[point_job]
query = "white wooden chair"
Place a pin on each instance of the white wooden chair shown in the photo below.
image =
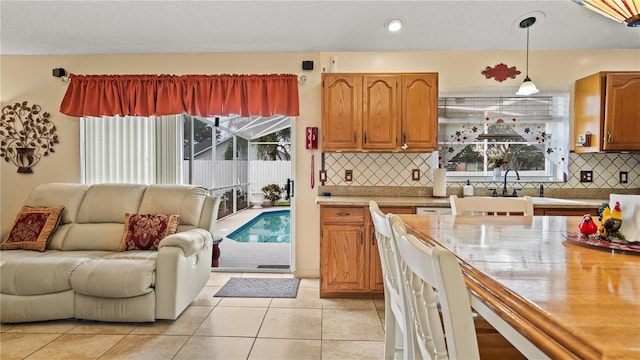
(397, 338)
(423, 268)
(491, 205)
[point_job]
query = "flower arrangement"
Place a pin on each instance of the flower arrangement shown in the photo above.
(498, 161)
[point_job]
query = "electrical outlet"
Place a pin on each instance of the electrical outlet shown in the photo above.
(415, 174)
(624, 177)
(586, 176)
(323, 176)
(348, 175)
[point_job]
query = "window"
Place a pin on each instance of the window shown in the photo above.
(529, 134)
(131, 149)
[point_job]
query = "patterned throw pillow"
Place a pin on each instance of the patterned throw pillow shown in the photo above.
(33, 228)
(144, 231)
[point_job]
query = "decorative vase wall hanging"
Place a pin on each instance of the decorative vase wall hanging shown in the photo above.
(26, 135)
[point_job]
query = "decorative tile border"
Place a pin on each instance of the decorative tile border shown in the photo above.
(395, 169)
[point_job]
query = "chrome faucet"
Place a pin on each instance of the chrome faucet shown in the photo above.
(504, 188)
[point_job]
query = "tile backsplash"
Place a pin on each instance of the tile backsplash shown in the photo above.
(395, 169)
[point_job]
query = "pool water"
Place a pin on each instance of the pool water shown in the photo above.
(268, 227)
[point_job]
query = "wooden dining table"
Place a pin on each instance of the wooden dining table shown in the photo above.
(549, 295)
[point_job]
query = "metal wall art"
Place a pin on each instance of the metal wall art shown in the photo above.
(26, 135)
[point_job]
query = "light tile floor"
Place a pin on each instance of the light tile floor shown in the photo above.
(306, 327)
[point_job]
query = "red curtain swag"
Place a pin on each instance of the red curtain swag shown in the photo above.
(199, 95)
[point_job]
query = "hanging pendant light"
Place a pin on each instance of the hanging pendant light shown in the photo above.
(527, 87)
(622, 11)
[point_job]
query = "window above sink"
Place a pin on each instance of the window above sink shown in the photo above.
(530, 133)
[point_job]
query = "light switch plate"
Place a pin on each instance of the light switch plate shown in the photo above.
(624, 177)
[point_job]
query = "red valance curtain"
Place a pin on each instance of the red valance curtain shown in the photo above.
(199, 95)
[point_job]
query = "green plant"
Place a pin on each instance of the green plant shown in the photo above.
(272, 192)
(498, 161)
(275, 146)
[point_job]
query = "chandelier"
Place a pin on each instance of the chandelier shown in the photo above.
(623, 11)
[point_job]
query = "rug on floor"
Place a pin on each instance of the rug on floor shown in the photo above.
(260, 288)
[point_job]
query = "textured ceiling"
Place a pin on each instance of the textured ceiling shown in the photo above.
(114, 27)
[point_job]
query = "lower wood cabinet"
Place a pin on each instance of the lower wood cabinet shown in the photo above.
(349, 257)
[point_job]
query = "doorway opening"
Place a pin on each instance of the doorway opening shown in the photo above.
(248, 162)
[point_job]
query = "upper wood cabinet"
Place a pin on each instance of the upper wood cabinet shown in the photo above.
(341, 112)
(607, 105)
(379, 112)
(419, 112)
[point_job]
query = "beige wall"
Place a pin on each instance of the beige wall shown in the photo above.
(28, 78)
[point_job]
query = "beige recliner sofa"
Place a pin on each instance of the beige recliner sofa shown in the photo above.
(82, 275)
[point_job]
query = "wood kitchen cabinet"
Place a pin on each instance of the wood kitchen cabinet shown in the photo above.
(419, 109)
(379, 112)
(376, 281)
(349, 257)
(607, 106)
(341, 112)
(343, 251)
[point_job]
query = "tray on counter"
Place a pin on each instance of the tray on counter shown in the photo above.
(598, 243)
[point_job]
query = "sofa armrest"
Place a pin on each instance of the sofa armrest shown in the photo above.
(191, 241)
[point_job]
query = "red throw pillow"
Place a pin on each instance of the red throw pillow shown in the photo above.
(33, 228)
(144, 231)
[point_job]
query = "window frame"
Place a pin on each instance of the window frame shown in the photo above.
(553, 121)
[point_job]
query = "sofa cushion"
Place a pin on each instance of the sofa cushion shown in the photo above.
(114, 278)
(133, 309)
(55, 194)
(32, 228)
(186, 201)
(18, 309)
(37, 275)
(98, 236)
(107, 203)
(144, 231)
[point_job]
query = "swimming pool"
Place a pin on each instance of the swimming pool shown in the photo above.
(268, 227)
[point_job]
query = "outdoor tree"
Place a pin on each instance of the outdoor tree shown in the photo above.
(276, 146)
(241, 143)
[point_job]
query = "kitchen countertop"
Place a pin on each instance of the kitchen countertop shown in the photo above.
(545, 202)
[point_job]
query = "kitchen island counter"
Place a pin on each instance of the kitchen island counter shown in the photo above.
(428, 201)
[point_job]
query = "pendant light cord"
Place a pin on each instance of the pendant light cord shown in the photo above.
(527, 51)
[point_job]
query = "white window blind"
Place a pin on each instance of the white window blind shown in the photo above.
(131, 149)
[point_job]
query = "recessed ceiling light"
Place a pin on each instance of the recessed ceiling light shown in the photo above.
(393, 25)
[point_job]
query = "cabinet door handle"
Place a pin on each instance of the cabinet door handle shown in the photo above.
(404, 137)
(365, 137)
(355, 137)
(361, 238)
(609, 137)
(343, 214)
(373, 239)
